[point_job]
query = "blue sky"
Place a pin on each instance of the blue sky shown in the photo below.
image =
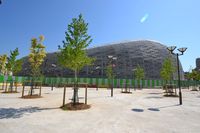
(171, 22)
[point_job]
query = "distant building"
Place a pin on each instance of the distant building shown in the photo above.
(198, 64)
(148, 54)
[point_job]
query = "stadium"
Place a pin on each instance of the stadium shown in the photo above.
(148, 54)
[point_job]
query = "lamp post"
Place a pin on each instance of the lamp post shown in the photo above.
(53, 66)
(111, 59)
(97, 68)
(181, 50)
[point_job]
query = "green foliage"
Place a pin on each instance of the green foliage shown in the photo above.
(139, 73)
(3, 60)
(37, 55)
(109, 72)
(11, 60)
(18, 67)
(167, 69)
(194, 75)
(73, 55)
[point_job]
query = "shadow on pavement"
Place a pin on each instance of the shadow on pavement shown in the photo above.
(138, 110)
(157, 109)
(153, 109)
(168, 106)
(151, 97)
(8, 113)
(156, 93)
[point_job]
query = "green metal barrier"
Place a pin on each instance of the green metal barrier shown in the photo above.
(117, 83)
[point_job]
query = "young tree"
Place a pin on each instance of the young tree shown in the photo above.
(139, 73)
(109, 72)
(11, 61)
(195, 75)
(167, 70)
(3, 61)
(18, 67)
(12, 64)
(73, 55)
(36, 57)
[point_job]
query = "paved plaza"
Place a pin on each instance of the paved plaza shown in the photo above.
(143, 111)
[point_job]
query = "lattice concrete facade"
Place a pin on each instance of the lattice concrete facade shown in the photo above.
(148, 54)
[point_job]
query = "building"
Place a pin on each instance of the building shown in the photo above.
(148, 54)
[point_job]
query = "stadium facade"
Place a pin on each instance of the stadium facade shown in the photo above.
(148, 54)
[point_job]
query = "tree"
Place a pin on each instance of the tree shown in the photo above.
(167, 70)
(36, 58)
(139, 73)
(73, 55)
(3, 61)
(109, 72)
(37, 55)
(11, 65)
(11, 61)
(195, 75)
(18, 67)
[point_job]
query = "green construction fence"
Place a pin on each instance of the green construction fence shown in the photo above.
(101, 82)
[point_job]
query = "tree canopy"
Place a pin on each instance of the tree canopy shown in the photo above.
(194, 75)
(12, 61)
(3, 61)
(109, 71)
(167, 69)
(139, 72)
(73, 55)
(37, 55)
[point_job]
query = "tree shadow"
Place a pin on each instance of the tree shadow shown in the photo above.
(138, 110)
(152, 97)
(156, 93)
(168, 106)
(153, 109)
(8, 113)
(156, 109)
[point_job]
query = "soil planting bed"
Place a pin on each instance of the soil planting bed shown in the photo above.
(77, 106)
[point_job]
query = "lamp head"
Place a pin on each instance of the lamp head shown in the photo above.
(110, 56)
(114, 58)
(97, 67)
(171, 48)
(182, 50)
(53, 65)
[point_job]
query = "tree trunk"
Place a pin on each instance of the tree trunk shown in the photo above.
(75, 94)
(32, 85)
(3, 85)
(11, 86)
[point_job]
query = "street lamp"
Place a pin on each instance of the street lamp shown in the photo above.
(53, 66)
(97, 68)
(111, 60)
(182, 50)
